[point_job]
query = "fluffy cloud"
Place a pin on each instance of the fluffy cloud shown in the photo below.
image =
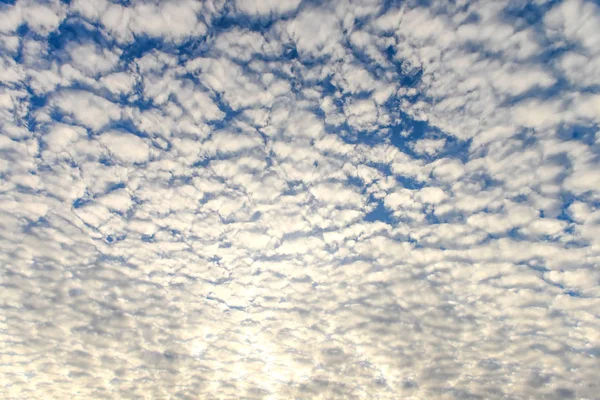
(266, 8)
(286, 199)
(173, 20)
(125, 147)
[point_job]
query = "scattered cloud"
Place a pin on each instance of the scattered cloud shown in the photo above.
(286, 199)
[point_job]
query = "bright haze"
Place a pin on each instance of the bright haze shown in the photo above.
(264, 199)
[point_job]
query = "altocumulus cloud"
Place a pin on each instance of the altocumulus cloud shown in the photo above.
(297, 199)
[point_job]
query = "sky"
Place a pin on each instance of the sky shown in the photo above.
(299, 199)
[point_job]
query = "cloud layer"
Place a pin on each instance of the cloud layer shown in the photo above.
(275, 200)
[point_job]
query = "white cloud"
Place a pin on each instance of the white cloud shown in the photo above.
(118, 83)
(337, 194)
(227, 142)
(87, 109)
(174, 19)
(243, 44)
(431, 195)
(203, 199)
(118, 200)
(126, 147)
(61, 136)
(266, 7)
(576, 20)
(227, 78)
(362, 114)
(42, 18)
(92, 60)
(429, 146)
(448, 170)
(315, 33)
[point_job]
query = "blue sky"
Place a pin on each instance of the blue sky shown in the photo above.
(299, 199)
